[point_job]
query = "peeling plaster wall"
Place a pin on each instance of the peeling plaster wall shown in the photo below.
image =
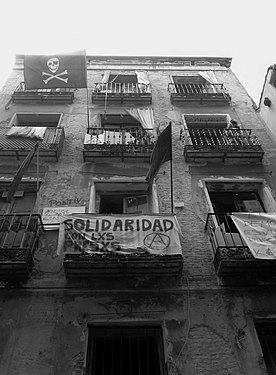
(208, 329)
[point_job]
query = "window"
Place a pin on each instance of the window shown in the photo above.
(25, 129)
(266, 331)
(125, 350)
(49, 120)
(23, 200)
(122, 129)
(123, 203)
(18, 225)
(206, 129)
(225, 197)
(272, 80)
(192, 84)
(125, 197)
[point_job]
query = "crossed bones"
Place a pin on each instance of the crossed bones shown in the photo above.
(52, 76)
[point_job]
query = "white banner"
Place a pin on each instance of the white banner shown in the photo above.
(259, 232)
(121, 234)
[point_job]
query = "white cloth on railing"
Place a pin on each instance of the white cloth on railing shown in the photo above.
(146, 119)
(109, 137)
(36, 132)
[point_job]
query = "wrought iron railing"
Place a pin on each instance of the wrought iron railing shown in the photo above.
(19, 231)
(204, 137)
(122, 88)
(127, 136)
(225, 238)
(21, 89)
(197, 89)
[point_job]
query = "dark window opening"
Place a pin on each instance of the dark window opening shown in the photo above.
(123, 78)
(111, 204)
(123, 203)
(267, 336)
(227, 202)
(50, 120)
(118, 122)
(272, 80)
(125, 351)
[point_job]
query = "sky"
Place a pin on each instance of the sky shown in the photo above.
(241, 29)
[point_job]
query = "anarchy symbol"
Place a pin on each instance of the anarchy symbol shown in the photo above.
(52, 76)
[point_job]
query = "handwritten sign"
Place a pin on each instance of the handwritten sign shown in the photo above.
(258, 231)
(52, 216)
(120, 234)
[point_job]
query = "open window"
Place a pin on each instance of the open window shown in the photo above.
(198, 87)
(123, 87)
(132, 133)
(217, 137)
(266, 331)
(226, 197)
(206, 129)
(125, 350)
(26, 129)
(124, 197)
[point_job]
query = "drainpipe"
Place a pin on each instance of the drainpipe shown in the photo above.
(271, 67)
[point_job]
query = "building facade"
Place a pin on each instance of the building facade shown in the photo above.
(190, 301)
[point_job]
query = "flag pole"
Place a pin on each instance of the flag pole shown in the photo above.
(171, 167)
(37, 179)
(87, 111)
(87, 96)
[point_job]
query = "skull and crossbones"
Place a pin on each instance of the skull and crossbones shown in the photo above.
(53, 66)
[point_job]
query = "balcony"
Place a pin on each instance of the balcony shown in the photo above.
(198, 93)
(19, 234)
(49, 148)
(122, 93)
(233, 261)
(47, 96)
(221, 145)
(128, 253)
(126, 144)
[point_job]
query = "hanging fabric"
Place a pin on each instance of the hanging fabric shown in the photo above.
(142, 77)
(143, 82)
(105, 77)
(146, 119)
(209, 75)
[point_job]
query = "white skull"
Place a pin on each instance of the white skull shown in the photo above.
(53, 64)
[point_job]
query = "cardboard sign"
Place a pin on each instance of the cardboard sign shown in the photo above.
(53, 216)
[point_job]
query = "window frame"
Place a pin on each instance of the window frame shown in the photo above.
(160, 338)
(112, 185)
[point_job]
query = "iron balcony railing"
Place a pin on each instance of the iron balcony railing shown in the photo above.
(19, 231)
(21, 89)
(225, 238)
(52, 143)
(197, 89)
(204, 137)
(122, 88)
(127, 136)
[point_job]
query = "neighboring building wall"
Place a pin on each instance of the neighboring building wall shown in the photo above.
(267, 105)
(208, 328)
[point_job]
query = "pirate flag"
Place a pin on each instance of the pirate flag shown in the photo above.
(55, 71)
